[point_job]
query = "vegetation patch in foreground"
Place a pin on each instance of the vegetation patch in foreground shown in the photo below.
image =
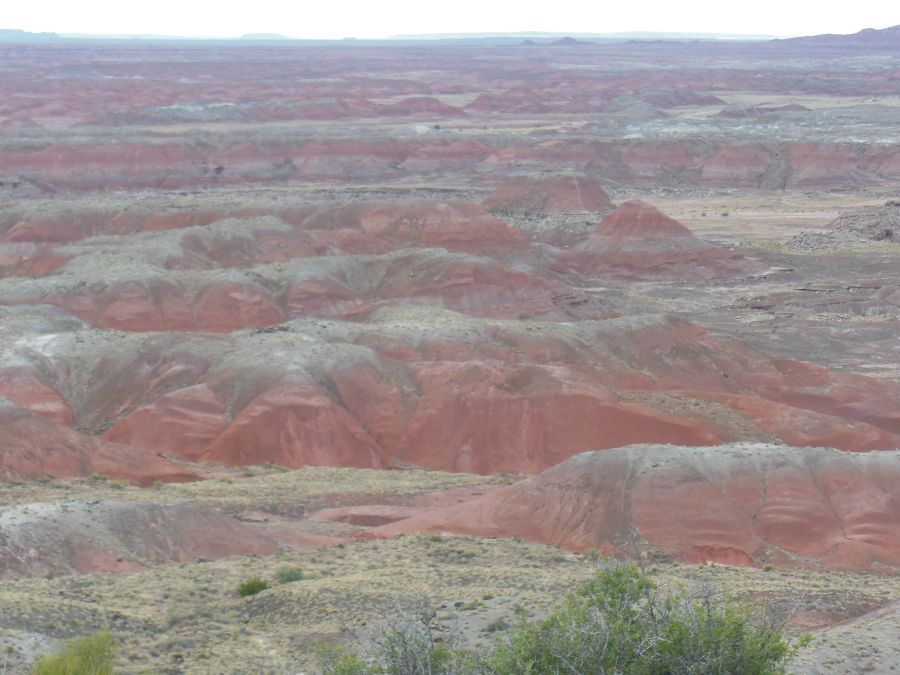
(89, 655)
(252, 586)
(619, 622)
(288, 574)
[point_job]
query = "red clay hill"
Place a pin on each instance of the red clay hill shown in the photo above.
(638, 241)
(91, 537)
(34, 446)
(741, 504)
(418, 386)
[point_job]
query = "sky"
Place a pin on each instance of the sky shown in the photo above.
(382, 18)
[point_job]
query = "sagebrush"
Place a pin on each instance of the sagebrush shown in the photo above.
(619, 622)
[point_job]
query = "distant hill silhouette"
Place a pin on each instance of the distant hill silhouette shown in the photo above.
(16, 35)
(567, 42)
(887, 38)
(264, 36)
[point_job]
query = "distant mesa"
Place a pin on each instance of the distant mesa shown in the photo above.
(885, 38)
(567, 42)
(740, 504)
(264, 36)
(421, 106)
(16, 35)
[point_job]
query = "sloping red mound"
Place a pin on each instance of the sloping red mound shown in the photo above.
(739, 504)
(464, 417)
(639, 241)
(355, 228)
(638, 220)
(110, 537)
(740, 166)
(484, 419)
(562, 194)
(23, 388)
(457, 225)
(330, 286)
(32, 446)
(72, 226)
(421, 106)
(436, 389)
(827, 167)
(29, 260)
(157, 304)
(293, 425)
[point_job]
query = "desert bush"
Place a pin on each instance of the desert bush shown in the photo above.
(89, 655)
(497, 625)
(288, 574)
(619, 622)
(252, 586)
(410, 643)
(337, 660)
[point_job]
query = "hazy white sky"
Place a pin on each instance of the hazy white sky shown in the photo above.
(380, 18)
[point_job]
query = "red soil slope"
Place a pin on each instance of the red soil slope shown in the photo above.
(743, 504)
(443, 391)
(110, 537)
(637, 241)
(32, 446)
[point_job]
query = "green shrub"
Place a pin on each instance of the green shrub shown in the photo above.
(497, 625)
(593, 554)
(411, 643)
(337, 660)
(88, 655)
(252, 586)
(288, 574)
(619, 622)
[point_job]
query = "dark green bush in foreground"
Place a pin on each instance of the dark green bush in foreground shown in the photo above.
(252, 586)
(617, 623)
(89, 655)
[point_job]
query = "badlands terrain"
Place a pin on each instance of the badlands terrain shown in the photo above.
(444, 322)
